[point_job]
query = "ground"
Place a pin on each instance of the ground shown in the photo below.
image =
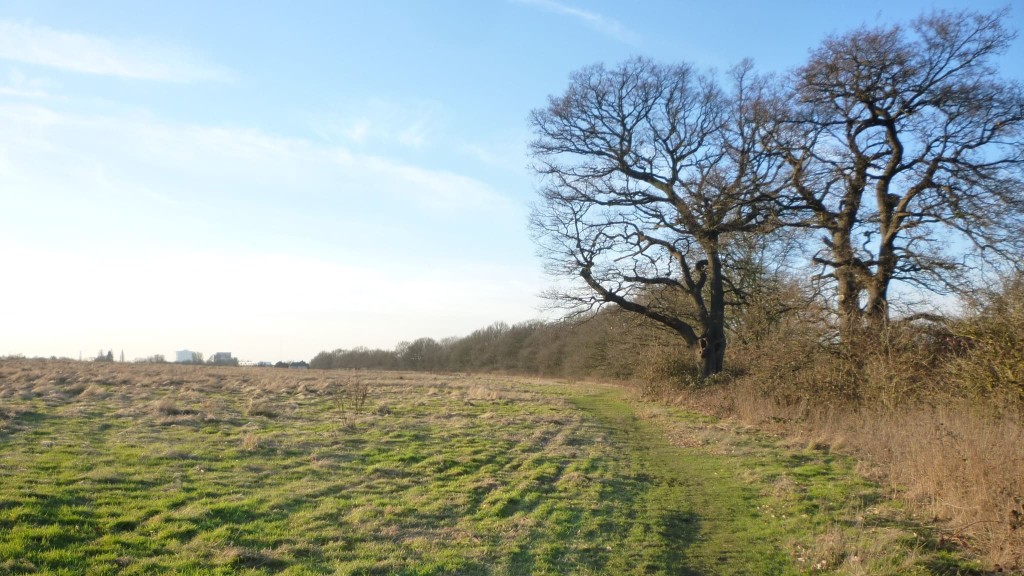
(162, 469)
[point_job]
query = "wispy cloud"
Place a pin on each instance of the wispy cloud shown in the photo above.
(415, 135)
(506, 151)
(358, 131)
(19, 85)
(40, 45)
(411, 124)
(230, 170)
(599, 22)
(315, 244)
(22, 92)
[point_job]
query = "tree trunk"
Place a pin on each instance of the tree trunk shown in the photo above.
(877, 309)
(848, 283)
(850, 313)
(712, 354)
(878, 305)
(712, 341)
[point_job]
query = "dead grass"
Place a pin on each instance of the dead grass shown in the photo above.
(259, 407)
(956, 464)
(250, 442)
(166, 407)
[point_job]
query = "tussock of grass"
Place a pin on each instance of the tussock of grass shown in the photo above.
(261, 408)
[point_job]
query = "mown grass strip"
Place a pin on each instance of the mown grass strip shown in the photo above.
(731, 501)
(693, 515)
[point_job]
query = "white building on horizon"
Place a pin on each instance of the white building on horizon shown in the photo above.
(184, 356)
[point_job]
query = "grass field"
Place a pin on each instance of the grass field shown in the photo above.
(146, 469)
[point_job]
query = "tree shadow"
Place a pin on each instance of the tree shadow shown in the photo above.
(681, 530)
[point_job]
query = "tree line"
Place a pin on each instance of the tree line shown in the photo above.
(584, 347)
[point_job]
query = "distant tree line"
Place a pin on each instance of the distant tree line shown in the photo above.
(782, 342)
(609, 344)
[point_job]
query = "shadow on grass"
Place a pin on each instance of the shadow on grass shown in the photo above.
(49, 522)
(680, 530)
(19, 422)
(938, 556)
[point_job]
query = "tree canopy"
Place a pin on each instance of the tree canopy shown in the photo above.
(906, 153)
(649, 171)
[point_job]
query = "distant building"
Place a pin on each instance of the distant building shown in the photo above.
(185, 356)
(224, 359)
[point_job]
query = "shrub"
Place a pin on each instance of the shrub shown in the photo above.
(986, 359)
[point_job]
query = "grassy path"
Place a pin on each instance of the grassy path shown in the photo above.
(692, 513)
(711, 499)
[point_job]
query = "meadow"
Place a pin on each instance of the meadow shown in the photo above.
(112, 468)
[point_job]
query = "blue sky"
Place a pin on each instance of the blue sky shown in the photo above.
(275, 179)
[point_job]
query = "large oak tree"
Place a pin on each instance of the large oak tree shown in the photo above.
(649, 171)
(906, 152)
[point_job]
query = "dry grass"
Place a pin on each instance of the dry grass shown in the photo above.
(956, 464)
(935, 411)
(250, 442)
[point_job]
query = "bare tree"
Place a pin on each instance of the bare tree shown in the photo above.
(648, 173)
(907, 154)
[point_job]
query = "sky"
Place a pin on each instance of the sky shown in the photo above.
(275, 179)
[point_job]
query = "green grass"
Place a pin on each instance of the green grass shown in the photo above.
(220, 471)
(693, 514)
(753, 505)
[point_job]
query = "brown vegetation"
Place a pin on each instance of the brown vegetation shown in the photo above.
(934, 411)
